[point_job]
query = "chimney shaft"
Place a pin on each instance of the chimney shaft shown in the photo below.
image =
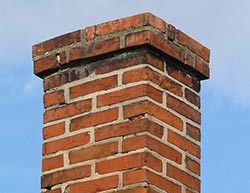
(122, 108)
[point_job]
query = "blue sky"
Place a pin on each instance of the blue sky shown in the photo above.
(222, 26)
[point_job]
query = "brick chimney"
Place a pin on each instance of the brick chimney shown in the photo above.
(122, 108)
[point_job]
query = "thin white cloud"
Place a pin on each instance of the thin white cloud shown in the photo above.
(32, 86)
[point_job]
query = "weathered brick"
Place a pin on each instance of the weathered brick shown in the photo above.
(94, 49)
(150, 38)
(147, 73)
(52, 162)
(62, 176)
(192, 165)
(129, 93)
(57, 42)
(130, 59)
(115, 63)
(193, 132)
(94, 119)
(90, 32)
(138, 142)
(93, 86)
(158, 23)
(192, 97)
(45, 63)
(93, 152)
(189, 60)
(67, 111)
(183, 177)
(183, 77)
(183, 109)
(53, 98)
(127, 162)
(203, 68)
(171, 32)
(183, 143)
(144, 175)
(127, 128)
(146, 107)
(193, 45)
(95, 185)
(55, 81)
(119, 25)
(67, 76)
(66, 143)
(53, 130)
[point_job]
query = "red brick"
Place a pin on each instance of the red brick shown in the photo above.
(138, 142)
(135, 176)
(183, 143)
(139, 38)
(137, 190)
(52, 163)
(53, 98)
(147, 73)
(146, 107)
(193, 132)
(183, 177)
(192, 97)
(58, 190)
(119, 25)
(171, 32)
(193, 45)
(127, 128)
(130, 59)
(67, 111)
(94, 119)
(168, 48)
(90, 33)
(54, 81)
(183, 77)
(97, 185)
(203, 68)
(192, 165)
(66, 143)
(93, 86)
(128, 162)
(189, 60)
(154, 60)
(53, 130)
(144, 175)
(62, 176)
(112, 64)
(129, 93)
(149, 38)
(44, 64)
(47, 63)
(67, 76)
(93, 152)
(94, 49)
(154, 21)
(57, 42)
(184, 109)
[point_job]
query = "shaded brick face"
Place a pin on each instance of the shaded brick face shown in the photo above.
(122, 108)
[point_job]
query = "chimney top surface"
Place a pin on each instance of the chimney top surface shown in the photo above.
(126, 33)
